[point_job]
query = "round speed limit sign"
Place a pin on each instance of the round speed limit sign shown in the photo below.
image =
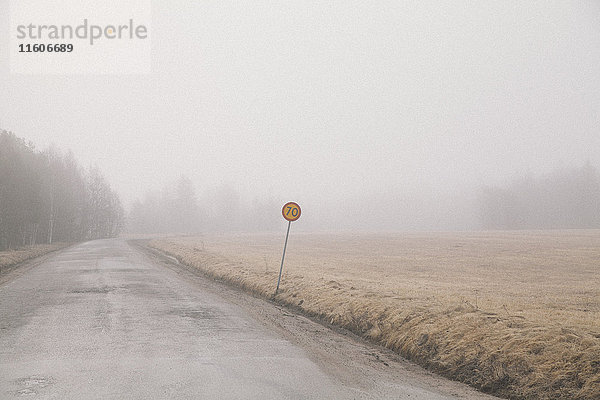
(291, 211)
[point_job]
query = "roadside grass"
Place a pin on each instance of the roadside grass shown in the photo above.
(11, 258)
(515, 314)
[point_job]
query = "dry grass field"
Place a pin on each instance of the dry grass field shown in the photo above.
(10, 258)
(516, 314)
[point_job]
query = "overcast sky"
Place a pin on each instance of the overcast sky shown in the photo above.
(329, 101)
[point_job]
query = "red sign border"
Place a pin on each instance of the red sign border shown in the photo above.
(287, 204)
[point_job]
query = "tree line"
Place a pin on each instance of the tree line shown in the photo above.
(172, 210)
(564, 199)
(568, 198)
(177, 209)
(46, 197)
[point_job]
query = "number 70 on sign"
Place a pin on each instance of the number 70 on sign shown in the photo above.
(291, 211)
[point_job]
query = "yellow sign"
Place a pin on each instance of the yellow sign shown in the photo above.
(291, 211)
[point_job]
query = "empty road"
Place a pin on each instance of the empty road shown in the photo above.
(105, 320)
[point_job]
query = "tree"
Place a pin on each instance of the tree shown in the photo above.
(46, 197)
(173, 209)
(564, 199)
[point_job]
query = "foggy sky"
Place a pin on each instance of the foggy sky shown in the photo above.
(332, 103)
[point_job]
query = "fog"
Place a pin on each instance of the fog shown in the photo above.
(372, 116)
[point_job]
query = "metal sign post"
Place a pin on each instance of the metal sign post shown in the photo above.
(291, 212)
(283, 256)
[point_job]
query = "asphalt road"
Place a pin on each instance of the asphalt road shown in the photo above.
(104, 320)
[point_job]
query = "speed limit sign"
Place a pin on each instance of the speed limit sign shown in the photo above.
(291, 211)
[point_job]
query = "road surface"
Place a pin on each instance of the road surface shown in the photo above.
(105, 320)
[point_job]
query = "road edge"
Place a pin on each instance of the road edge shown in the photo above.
(143, 245)
(15, 270)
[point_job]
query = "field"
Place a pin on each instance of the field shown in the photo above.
(516, 314)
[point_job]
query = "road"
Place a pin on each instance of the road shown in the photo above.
(105, 320)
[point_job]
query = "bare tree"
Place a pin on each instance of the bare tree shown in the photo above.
(46, 197)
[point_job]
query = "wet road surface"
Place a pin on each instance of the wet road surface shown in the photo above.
(103, 320)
